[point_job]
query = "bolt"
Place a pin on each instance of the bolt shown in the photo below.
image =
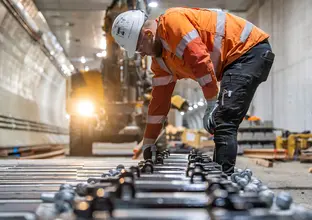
(235, 177)
(241, 192)
(257, 182)
(246, 175)
(263, 187)
(235, 185)
(120, 167)
(224, 176)
(63, 200)
(65, 195)
(284, 200)
(249, 171)
(62, 206)
(167, 150)
(65, 186)
(165, 154)
(113, 172)
(250, 187)
(47, 197)
(242, 182)
(267, 196)
(301, 213)
(81, 189)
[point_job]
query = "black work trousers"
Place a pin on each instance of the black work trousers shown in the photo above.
(238, 86)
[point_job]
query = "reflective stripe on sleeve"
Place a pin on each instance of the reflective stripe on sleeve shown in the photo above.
(162, 64)
(165, 44)
(185, 41)
(204, 80)
(246, 32)
(156, 119)
(162, 81)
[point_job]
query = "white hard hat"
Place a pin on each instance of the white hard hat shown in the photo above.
(126, 29)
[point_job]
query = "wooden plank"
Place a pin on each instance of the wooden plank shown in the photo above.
(269, 154)
(267, 157)
(266, 150)
(58, 157)
(13, 153)
(263, 162)
(45, 155)
(305, 158)
(4, 153)
(28, 148)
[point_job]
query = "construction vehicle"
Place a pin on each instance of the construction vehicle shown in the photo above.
(106, 105)
(111, 105)
(294, 142)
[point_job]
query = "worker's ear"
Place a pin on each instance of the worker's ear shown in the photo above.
(148, 33)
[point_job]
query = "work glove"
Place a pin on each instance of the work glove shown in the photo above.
(208, 120)
(147, 150)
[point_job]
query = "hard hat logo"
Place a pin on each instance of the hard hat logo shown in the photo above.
(126, 30)
(120, 32)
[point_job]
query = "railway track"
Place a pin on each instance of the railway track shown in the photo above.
(172, 186)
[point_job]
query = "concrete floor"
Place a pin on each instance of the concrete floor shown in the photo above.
(288, 176)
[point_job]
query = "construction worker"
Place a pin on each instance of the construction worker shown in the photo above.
(207, 46)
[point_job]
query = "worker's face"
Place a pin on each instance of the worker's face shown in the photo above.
(145, 43)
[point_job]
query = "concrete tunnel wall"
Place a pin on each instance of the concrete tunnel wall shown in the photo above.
(31, 88)
(286, 97)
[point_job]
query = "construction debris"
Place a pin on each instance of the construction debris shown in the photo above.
(263, 162)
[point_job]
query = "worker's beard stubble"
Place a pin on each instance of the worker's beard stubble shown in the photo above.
(157, 48)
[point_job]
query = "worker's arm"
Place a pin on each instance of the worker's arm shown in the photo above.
(186, 43)
(163, 86)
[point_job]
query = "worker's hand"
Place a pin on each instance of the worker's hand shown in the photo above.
(146, 149)
(141, 147)
(208, 121)
(136, 153)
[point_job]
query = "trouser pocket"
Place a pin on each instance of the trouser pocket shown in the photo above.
(267, 59)
(236, 93)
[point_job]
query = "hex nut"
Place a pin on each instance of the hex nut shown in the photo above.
(284, 200)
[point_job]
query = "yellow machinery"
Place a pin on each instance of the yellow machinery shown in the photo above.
(107, 105)
(87, 99)
(177, 102)
(293, 142)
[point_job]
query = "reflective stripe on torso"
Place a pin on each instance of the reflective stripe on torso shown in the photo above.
(174, 59)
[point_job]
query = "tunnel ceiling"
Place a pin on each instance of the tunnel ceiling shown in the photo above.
(77, 23)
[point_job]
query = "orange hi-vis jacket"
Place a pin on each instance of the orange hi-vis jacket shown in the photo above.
(197, 44)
